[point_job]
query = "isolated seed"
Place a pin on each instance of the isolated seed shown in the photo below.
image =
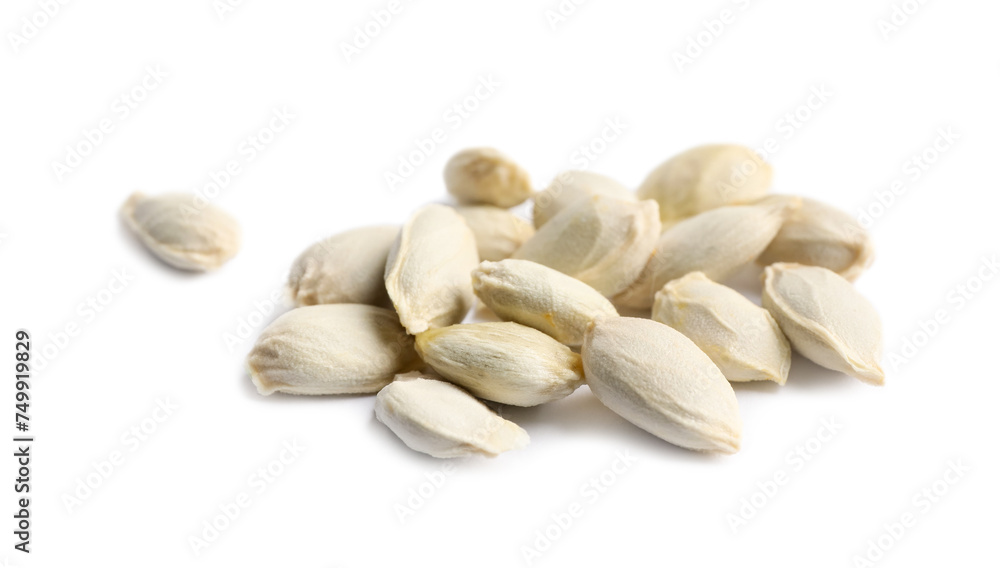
(502, 361)
(440, 419)
(183, 233)
(571, 186)
(498, 231)
(331, 349)
(717, 242)
(347, 268)
(659, 380)
(820, 235)
(602, 241)
(740, 337)
(484, 176)
(826, 319)
(540, 297)
(427, 272)
(706, 177)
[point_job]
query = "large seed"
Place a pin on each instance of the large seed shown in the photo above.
(181, 232)
(440, 419)
(706, 177)
(480, 176)
(503, 362)
(540, 297)
(717, 242)
(571, 186)
(740, 337)
(820, 235)
(427, 272)
(331, 349)
(348, 268)
(602, 241)
(498, 231)
(826, 319)
(659, 380)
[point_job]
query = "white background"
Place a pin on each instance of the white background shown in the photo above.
(335, 505)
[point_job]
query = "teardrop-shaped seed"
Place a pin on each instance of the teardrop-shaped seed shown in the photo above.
(331, 349)
(498, 231)
(502, 361)
(347, 268)
(826, 319)
(818, 234)
(706, 177)
(537, 296)
(571, 186)
(602, 241)
(427, 272)
(740, 337)
(717, 242)
(444, 421)
(659, 380)
(182, 232)
(484, 176)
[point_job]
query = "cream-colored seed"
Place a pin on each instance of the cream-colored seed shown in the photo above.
(571, 186)
(498, 231)
(181, 232)
(717, 242)
(602, 241)
(826, 319)
(348, 268)
(540, 297)
(740, 337)
(659, 380)
(331, 349)
(706, 177)
(444, 421)
(818, 234)
(502, 361)
(484, 176)
(427, 271)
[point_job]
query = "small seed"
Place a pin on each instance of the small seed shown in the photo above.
(498, 231)
(347, 268)
(571, 186)
(427, 272)
(820, 235)
(826, 319)
(331, 349)
(180, 233)
(540, 297)
(740, 337)
(502, 361)
(659, 380)
(444, 421)
(706, 177)
(602, 241)
(717, 242)
(484, 176)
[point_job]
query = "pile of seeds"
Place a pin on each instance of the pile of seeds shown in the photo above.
(380, 308)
